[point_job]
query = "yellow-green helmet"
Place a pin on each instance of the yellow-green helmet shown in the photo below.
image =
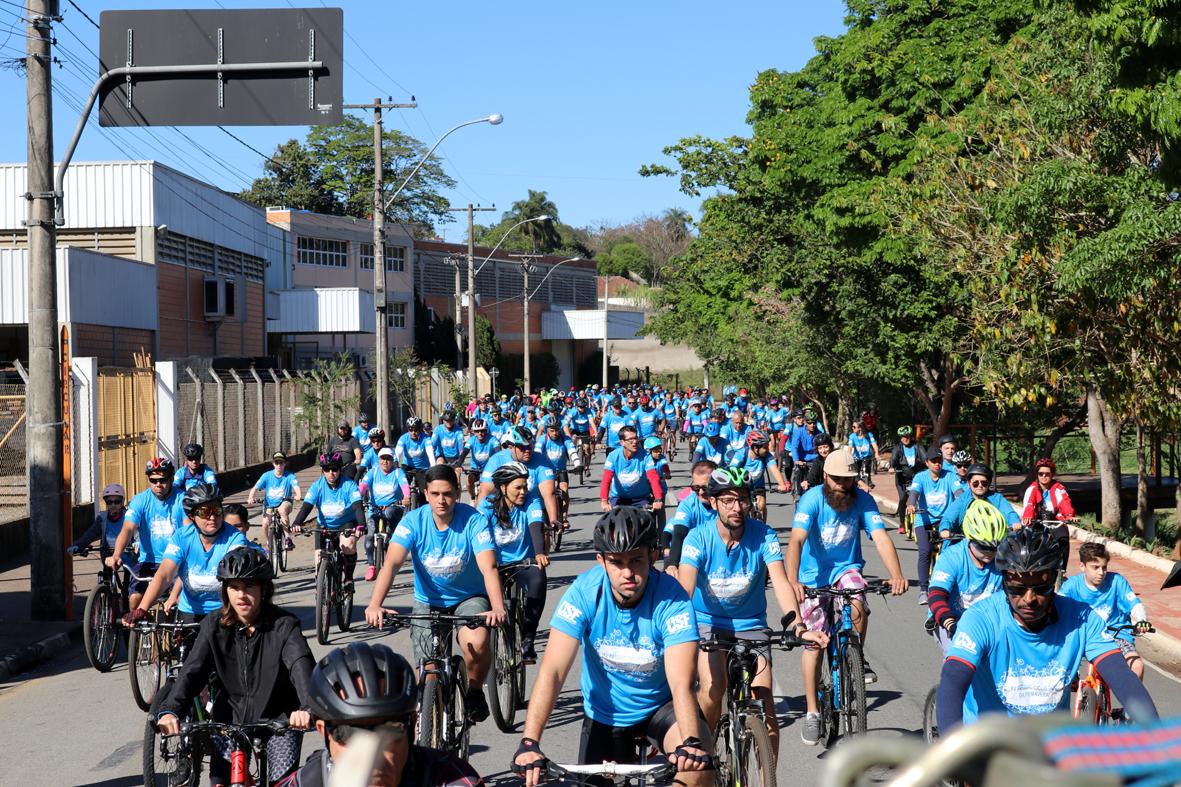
(985, 524)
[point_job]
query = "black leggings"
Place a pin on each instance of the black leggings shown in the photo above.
(923, 536)
(901, 484)
(532, 580)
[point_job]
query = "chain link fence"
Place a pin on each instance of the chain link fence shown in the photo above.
(14, 494)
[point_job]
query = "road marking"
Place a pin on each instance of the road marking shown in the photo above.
(1168, 675)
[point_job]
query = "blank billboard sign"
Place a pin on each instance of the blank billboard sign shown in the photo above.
(244, 94)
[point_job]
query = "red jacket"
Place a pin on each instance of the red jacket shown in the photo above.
(1059, 502)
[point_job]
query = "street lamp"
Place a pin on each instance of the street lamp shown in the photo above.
(381, 330)
(526, 269)
(494, 373)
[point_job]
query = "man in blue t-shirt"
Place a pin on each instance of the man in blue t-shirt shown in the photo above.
(278, 489)
(614, 420)
(930, 495)
(194, 471)
(629, 476)
(825, 551)
(152, 517)
(693, 511)
(339, 510)
(454, 559)
(638, 634)
(980, 485)
(1016, 652)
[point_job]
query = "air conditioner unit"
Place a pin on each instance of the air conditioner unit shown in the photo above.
(220, 299)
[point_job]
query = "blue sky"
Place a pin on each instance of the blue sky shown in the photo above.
(590, 91)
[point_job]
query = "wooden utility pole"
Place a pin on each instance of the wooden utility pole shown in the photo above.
(471, 296)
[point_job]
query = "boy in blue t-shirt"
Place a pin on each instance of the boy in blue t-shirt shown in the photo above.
(1111, 597)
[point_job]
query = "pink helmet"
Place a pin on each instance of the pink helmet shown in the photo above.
(113, 490)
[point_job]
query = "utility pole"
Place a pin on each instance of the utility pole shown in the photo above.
(471, 296)
(452, 262)
(526, 269)
(43, 395)
(381, 336)
(606, 333)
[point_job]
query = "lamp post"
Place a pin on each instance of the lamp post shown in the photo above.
(606, 314)
(494, 373)
(379, 296)
(526, 269)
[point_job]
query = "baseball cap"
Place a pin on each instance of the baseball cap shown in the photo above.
(839, 465)
(387, 451)
(343, 422)
(278, 456)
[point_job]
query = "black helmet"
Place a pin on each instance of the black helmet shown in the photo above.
(387, 688)
(508, 472)
(199, 495)
(245, 564)
(1028, 551)
(623, 529)
(822, 439)
(332, 461)
(413, 422)
(160, 466)
(193, 451)
(979, 468)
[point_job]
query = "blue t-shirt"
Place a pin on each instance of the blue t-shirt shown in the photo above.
(497, 430)
(156, 520)
(556, 452)
(690, 514)
(731, 583)
(834, 538)
(1017, 671)
(611, 425)
(362, 436)
(539, 470)
(966, 583)
(646, 421)
(630, 481)
(445, 570)
(385, 489)
(953, 516)
(334, 506)
(735, 438)
(623, 675)
(777, 419)
(696, 421)
(714, 449)
(862, 445)
(755, 466)
(478, 452)
(276, 489)
(803, 444)
(513, 540)
(413, 453)
(197, 567)
(659, 467)
(448, 443)
(934, 495)
(578, 422)
(1114, 600)
(185, 480)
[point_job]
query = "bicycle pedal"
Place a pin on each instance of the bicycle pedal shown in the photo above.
(750, 706)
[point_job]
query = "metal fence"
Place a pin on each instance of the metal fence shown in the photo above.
(14, 495)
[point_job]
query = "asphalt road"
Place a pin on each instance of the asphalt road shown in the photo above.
(66, 724)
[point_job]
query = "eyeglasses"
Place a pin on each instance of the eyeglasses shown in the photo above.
(978, 484)
(208, 511)
(629, 439)
(733, 502)
(1044, 474)
(523, 447)
(1044, 589)
(395, 729)
(962, 465)
(159, 481)
(113, 501)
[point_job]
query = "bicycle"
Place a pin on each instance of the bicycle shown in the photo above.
(1092, 701)
(105, 606)
(842, 671)
(382, 528)
(442, 684)
(276, 538)
(473, 483)
(150, 651)
(583, 454)
(246, 745)
(334, 591)
(619, 774)
(168, 760)
(744, 754)
(506, 681)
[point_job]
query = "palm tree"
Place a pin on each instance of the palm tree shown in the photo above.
(544, 235)
(676, 224)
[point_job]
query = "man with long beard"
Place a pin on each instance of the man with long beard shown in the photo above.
(825, 551)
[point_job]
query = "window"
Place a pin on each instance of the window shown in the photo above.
(395, 316)
(321, 251)
(395, 258)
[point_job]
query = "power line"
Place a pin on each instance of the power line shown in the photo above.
(84, 14)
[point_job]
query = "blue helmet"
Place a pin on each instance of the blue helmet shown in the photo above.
(712, 429)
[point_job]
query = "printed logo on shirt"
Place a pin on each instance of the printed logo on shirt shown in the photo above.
(445, 565)
(628, 659)
(801, 518)
(482, 537)
(172, 551)
(629, 477)
(964, 642)
(202, 581)
(1103, 611)
(775, 548)
(875, 519)
(677, 623)
(568, 612)
(1028, 689)
(1130, 595)
(161, 527)
(726, 586)
(508, 535)
(402, 531)
(691, 552)
(940, 576)
(332, 509)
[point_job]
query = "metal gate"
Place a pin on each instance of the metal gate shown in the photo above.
(126, 426)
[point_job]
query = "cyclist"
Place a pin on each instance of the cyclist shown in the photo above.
(756, 460)
(237, 517)
(194, 471)
(346, 445)
(962, 461)
(361, 431)
(387, 489)
(930, 494)
(629, 477)
(557, 449)
(278, 489)
(193, 555)
(447, 441)
(777, 416)
(638, 634)
(648, 420)
(516, 529)
(1017, 651)
(865, 450)
(803, 449)
(672, 410)
(815, 477)
(695, 509)
(871, 417)
(541, 476)
(107, 525)
(339, 510)
(262, 662)
(979, 484)
(1046, 501)
(152, 517)
(964, 572)
(614, 420)
(477, 449)
(454, 559)
(498, 426)
(735, 433)
(694, 425)
(906, 460)
(946, 448)
(712, 447)
(415, 454)
(837, 513)
(376, 438)
(1111, 597)
(724, 568)
(369, 687)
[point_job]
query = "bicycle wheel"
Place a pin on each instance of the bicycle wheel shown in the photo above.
(430, 715)
(323, 602)
(167, 762)
(853, 691)
(1086, 707)
(459, 728)
(379, 546)
(281, 538)
(143, 662)
(99, 635)
(827, 700)
(556, 546)
(930, 725)
(755, 760)
(344, 602)
(724, 753)
(501, 689)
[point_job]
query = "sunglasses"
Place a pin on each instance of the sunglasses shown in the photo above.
(1044, 474)
(1044, 589)
(397, 730)
(962, 465)
(525, 447)
(984, 549)
(208, 511)
(113, 501)
(159, 481)
(978, 484)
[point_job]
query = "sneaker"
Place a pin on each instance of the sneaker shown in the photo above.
(923, 597)
(810, 731)
(371, 573)
(289, 545)
(528, 653)
(870, 675)
(902, 530)
(477, 706)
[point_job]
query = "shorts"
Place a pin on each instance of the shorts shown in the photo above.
(145, 572)
(761, 635)
(420, 630)
(817, 613)
(1126, 647)
(604, 743)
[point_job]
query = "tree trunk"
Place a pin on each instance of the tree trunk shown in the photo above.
(1052, 440)
(1104, 429)
(844, 422)
(1177, 519)
(1145, 527)
(822, 411)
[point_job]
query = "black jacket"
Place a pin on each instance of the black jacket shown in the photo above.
(899, 465)
(263, 676)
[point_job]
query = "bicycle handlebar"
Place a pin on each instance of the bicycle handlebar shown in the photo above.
(881, 587)
(396, 619)
(147, 626)
(656, 772)
(777, 639)
(1130, 627)
(262, 729)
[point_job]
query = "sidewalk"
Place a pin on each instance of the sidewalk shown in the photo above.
(25, 643)
(1164, 607)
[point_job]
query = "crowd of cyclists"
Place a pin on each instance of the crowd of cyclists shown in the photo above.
(656, 585)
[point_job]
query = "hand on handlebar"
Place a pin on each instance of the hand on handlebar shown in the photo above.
(529, 762)
(300, 720)
(133, 617)
(114, 561)
(375, 616)
(603, 504)
(496, 617)
(1143, 627)
(542, 561)
(690, 756)
(168, 724)
(898, 585)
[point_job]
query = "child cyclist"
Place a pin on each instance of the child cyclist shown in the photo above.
(1112, 598)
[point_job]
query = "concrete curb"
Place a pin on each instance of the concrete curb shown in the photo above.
(1143, 558)
(39, 652)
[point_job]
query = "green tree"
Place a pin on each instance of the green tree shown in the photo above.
(487, 345)
(623, 258)
(543, 236)
(332, 172)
